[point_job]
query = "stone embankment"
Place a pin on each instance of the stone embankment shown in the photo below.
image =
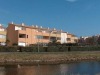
(48, 58)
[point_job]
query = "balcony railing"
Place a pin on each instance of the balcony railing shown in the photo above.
(22, 31)
(22, 39)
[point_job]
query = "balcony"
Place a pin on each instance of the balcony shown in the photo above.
(2, 40)
(44, 40)
(46, 34)
(53, 35)
(22, 39)
(22, 31)
(58, 40)
(58, 35)
(3, 32)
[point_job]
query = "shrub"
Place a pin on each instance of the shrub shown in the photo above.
(53, 49)
(8, 49)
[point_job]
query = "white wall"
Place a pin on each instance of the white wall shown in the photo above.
(2, 29)
(3, 43)
(63, 38)
(21, 44)
(18, 28)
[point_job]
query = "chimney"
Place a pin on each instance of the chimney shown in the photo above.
(48, 27)
(36, 26)
(0, 24)
(40, 26)
(54, 29)
(12, 22)
(61, 30)
(22, 24)
(32, 25)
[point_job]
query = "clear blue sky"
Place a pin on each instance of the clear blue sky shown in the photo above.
(80, 17)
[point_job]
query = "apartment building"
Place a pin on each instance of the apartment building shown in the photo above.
(71, 38)
(90, 40)
(2, 35)
(24, 35)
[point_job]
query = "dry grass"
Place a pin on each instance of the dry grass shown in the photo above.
(50, 57)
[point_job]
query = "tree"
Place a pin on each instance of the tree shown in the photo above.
(98, 41)
(7, 42)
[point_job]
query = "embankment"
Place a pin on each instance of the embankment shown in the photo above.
(48, 58)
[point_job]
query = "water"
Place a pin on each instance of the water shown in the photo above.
(82, 68)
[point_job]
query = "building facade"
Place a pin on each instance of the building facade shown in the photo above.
(2, 35)
(71, 38)
(24, 35)
(90, 40)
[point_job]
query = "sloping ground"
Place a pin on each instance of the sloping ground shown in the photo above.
(47, 58)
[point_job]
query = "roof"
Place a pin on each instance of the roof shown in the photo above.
(34, 27)
(1, 27)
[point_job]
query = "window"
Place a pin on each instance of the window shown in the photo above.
(75, 40)
(3, 36)
(68, 39)
(45, 37)
(39, 37)
(53, 39)
(22, 35)
(58, 38)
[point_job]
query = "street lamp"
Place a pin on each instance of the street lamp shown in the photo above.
(50, 35)
(39, 37)
(38, 43)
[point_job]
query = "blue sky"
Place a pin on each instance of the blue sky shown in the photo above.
(80, 17)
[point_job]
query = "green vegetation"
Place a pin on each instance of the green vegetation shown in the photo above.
(59, 48)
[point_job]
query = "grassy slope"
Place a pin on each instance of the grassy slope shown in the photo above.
(48, 58)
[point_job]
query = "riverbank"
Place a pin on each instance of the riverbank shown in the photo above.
(48, 58)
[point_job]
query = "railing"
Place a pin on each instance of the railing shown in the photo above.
(22, 39)
(22, 31)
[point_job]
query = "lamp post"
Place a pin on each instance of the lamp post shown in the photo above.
(50, 35)
(38, 43)
(56, 36)
(39, 37)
